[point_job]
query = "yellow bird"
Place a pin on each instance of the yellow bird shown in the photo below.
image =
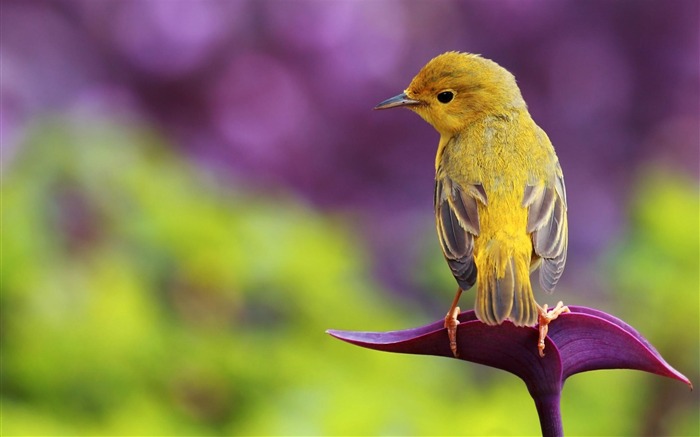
(500, 199)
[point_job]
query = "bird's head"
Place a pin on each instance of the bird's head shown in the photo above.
(454, 89)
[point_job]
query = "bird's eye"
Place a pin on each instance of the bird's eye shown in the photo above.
(445, 96)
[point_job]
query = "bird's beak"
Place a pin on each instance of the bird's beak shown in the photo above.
(400, 100)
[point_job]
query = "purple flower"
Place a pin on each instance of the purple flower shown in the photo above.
(584, 339)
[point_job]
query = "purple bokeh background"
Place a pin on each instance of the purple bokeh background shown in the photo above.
(277, 95)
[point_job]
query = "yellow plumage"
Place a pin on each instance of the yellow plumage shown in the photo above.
(500, 200)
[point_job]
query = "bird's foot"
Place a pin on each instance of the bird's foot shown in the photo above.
(451, 324)
(545, 317)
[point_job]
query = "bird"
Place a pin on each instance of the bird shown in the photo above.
(500, 199)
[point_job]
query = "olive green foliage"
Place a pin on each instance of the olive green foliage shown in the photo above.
(655, 272)
(652, 279)
(139, 296)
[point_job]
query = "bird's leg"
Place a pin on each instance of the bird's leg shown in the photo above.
(545, 317)
(451, 322)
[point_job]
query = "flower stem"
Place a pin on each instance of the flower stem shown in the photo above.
(548, 408)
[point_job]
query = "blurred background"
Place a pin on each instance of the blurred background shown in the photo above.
(194, 191)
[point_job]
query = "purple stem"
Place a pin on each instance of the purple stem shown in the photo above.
(548, 408)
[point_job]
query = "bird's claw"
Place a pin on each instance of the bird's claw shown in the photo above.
(545, 317)
(451, 324)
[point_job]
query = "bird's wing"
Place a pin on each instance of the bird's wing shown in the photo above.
(547, 224)
(457, 221)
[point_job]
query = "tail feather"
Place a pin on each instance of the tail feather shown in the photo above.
(504, 293)
(503, 287)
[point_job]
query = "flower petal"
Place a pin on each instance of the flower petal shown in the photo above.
(504, 347)
(589, 339)
(583, 340)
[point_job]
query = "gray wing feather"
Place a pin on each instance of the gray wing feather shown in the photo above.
(457, 220)
(548, 226)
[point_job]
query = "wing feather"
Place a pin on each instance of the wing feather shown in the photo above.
(548, 227)
(457, 220)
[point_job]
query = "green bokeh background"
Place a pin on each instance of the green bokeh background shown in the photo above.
(176, 306)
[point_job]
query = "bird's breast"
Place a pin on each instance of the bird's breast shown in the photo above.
(494, 157)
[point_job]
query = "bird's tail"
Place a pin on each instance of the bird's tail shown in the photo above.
(503, 286)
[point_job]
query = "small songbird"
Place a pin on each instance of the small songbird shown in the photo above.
(500, 200)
